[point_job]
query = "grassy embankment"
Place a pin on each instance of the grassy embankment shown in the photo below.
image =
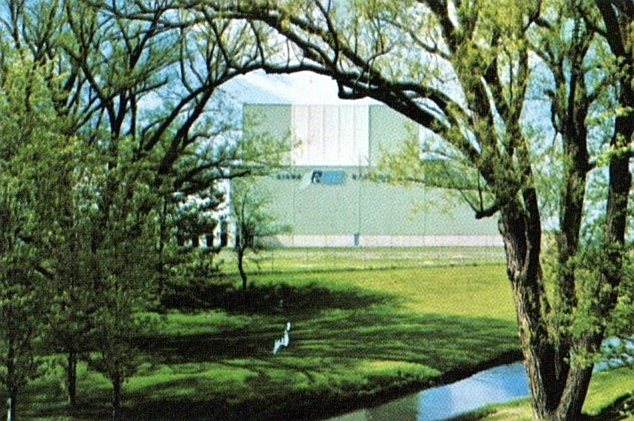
(366, 326)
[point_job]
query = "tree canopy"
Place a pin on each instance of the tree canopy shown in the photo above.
(534, 103)
(118, 103)
(112, 121)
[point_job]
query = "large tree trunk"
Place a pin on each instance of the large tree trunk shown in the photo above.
(574, 394)
(557, 389)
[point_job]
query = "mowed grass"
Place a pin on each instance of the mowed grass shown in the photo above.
(328, 259)
(361, 335)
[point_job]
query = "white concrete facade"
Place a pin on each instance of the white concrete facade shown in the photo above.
(388, 241)
(327, 194)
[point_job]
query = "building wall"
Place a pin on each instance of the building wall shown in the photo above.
(326, 197)
(380, 214)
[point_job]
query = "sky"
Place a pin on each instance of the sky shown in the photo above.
(298, 88)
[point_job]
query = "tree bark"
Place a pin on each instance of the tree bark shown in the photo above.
(522, 247)
(116, 397)
(557, 388)
(71, 377)
(574, 393)
(243, 274)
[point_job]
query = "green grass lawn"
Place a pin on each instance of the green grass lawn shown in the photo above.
(358, 336)
(361, 334)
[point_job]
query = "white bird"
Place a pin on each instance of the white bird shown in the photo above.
(284, 340)
(276, 346)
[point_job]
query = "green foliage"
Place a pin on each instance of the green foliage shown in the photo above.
(254, 223)
(28, 144)
(529, 104)
(248, 208)
(21, 336)
(187, 247)
(107, 114)
(123, 264)
(113, 142)
(117, 324)
(589, 314)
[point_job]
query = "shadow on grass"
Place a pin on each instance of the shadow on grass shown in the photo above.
(335, 334)
(277, 302)
(267, 298)
(305, 404)
(377, 332)
(445, 342)
(326, 351)
(612, 412)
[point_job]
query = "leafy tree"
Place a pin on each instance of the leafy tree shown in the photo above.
(20, 302)
(118, 322)
(187, 245)
(164, 109)
(254, 223)
(69, 280)
(134, 87)
(476, 78)
(123, 267)
(28, 138)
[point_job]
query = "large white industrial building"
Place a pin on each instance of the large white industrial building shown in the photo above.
(326, 194)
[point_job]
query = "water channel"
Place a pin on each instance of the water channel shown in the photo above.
(496, 385)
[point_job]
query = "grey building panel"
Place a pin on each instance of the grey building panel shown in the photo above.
(312, 208)
(370, 208)
(329, 205)
(271, 119)
(386, 132)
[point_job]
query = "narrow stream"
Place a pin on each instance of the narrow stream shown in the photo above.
(496, 385)
(493, 386)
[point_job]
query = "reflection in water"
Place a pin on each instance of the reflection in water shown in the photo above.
(497, 385)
